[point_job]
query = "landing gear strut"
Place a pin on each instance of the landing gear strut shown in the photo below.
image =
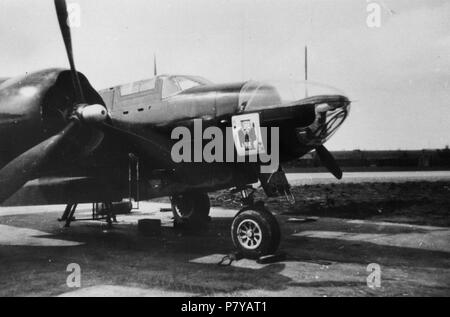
(68, 215)
(255, 231)
(104, 211)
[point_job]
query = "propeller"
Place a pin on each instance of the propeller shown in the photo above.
(329, 161)
(61, 12)
(29, 165)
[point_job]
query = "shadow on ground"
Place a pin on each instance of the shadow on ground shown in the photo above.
(123, 257)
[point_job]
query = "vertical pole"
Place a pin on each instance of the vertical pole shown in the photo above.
(137, 182)
(306, 71)
(130, 158)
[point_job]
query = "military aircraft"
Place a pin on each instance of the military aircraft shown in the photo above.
(63, 142)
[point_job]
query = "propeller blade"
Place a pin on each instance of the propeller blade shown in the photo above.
(28, 165)
(328, 161)
(61, 12)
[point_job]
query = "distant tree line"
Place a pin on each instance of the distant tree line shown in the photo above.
(415, 159)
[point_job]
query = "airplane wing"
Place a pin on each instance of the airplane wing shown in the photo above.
(63, 190)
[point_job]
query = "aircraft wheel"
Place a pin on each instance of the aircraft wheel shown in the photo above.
(191, 209)
(255, 232)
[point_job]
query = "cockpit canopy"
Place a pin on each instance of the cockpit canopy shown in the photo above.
(172, 85)
(165, 85)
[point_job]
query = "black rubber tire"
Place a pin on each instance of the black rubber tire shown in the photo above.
(271, 234)
(191, 209)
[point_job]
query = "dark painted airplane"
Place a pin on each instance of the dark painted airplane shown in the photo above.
(62, 142)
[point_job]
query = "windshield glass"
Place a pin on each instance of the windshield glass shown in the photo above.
(173, 85)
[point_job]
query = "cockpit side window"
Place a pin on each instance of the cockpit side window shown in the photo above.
(186, 83)
(148, 84)
(170, 87)
(137, 87)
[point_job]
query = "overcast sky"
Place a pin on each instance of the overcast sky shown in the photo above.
(398, 75)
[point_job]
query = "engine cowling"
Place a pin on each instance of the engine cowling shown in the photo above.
(36, 106)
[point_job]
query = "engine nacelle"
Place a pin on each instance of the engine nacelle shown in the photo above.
(36, 106)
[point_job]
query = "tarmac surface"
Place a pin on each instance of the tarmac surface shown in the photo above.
(332, 254)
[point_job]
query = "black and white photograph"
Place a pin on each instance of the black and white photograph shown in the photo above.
(223, 154)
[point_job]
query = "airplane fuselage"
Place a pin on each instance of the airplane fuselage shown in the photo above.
(35, 106)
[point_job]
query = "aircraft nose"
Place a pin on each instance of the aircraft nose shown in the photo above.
(256, 96)
(315, 118)
(330, 113)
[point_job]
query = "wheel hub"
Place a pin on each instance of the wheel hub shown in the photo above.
(249, 234)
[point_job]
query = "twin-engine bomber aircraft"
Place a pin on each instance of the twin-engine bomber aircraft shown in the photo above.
(62, 142)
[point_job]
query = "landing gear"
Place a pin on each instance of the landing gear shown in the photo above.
(255, 231)
(68, 215)
(108, 213)
(100, 211)
(191, 210)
